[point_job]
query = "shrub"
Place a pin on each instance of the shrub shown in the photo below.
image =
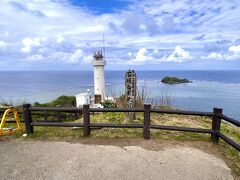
(63, 101)
(109, 104)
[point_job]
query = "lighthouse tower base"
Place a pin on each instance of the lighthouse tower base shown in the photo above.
(97, 98)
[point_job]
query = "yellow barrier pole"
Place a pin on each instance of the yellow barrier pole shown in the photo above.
(4, 118)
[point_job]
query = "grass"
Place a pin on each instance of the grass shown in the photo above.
(231, 156)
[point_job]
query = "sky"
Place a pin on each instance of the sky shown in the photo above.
(141, 35)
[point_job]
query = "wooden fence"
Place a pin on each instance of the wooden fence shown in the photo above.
(217, 116)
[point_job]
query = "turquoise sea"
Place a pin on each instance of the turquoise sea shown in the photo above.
(209, 88)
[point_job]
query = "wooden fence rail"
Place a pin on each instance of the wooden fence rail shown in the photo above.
(215, 131)
(58, 114)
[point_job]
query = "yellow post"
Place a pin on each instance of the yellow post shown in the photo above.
(4, 131)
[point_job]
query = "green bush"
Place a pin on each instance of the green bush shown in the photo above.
(63, 101)
(109, 104)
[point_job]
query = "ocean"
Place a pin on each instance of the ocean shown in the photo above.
(209, 88)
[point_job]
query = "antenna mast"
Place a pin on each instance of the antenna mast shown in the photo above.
(103, 47)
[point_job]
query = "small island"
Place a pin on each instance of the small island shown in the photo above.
(174, 80)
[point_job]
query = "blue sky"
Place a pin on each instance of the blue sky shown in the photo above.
(159, 35)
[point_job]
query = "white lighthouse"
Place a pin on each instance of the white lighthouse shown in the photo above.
(99, 80)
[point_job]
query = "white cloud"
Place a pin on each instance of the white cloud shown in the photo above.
(153, 56)
(179, 55)
(59, 39)
(234, 49)
(29, 43)
(87, 59)
(35, 57)
(6, 33)
(233, 53)
(214, 56)
(129, 54)
(3, 44)
(75, 57)
(232, 57)
(143, 26)
(142, 57)
(146, 32)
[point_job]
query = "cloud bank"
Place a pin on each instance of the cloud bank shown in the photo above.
(48, 34)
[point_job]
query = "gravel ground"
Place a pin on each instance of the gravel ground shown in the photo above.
(62, 160)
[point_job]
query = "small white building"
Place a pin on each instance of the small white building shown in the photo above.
(83, 98)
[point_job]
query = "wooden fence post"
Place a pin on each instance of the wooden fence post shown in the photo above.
(58, 115)
(45, 116)
(216, 124)
(86, 120)
(146, 123)
(27, 116)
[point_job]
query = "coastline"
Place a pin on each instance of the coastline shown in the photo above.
(209, 88)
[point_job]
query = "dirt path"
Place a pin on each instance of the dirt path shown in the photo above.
(62, 160)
